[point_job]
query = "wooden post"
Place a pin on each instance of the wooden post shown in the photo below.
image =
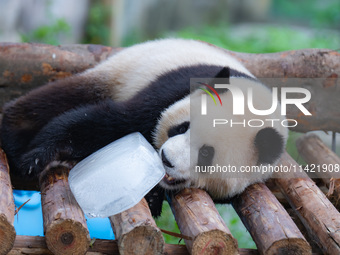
(64, 222)
(316, 212)
(198, 218)
(272, 229)
(7, 231)
(314, 151)
(137, 232)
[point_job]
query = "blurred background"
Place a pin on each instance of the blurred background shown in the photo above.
(256, 26)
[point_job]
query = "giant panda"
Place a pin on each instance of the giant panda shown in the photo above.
(145, 88)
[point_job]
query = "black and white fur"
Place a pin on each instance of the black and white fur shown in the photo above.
(143, 88)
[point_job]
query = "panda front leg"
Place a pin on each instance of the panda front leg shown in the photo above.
(76, 134)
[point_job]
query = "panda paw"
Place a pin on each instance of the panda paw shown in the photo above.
(34, 162)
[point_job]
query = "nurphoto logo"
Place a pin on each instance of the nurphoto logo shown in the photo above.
(242, 99)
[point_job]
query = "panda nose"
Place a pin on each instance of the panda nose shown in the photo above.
(166, 162)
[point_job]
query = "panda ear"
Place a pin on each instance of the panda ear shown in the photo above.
(269, 144)
(224, 73)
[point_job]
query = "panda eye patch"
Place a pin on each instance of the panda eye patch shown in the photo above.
(205, 155)
(180, 129)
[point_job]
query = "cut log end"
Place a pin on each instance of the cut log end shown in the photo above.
(64, 222)
(197, 217)
(214, 242)
(142, 240)
(137, 232)
(7, 235)
(292, 246)
(67, 237)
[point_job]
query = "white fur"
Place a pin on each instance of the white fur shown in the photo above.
(233, 145)
(134, 68)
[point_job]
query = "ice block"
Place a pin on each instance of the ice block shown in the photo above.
(116, 177)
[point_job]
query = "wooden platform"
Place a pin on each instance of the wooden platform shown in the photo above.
(292, 215)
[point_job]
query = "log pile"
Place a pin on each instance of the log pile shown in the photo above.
(316, 212)
(264, 214)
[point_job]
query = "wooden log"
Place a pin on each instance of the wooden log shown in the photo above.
(36, 245)
(36, 64)
(7, 231)
(198, 218)
(64, 222)
(314, 151)
(272, 229)
(316, 212)
(25, 66)
(136, 231)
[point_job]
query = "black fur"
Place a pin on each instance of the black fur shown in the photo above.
(205, 156)
(76, 130)
(269, 144)
(179, 129)
(70, 119)
(25, 116)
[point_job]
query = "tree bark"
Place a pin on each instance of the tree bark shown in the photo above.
(198, 218)
(64, 222)
(137, 232)
(317, 213)
(7, 231)
(272, 229)
(24, 66)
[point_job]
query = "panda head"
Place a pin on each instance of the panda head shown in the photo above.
(185, 142)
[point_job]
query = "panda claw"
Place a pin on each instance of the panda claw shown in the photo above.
(30, 170)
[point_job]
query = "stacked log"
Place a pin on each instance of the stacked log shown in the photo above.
(64, 221)
(324, 162)
(272, 229)
(316, 212)
(137, 232)
(199, 220)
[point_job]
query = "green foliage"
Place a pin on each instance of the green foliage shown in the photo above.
(316, 13)
(263, 39)
(97, 30)
(236, 227)
(167, 222)
(48, 33)
(291, 147)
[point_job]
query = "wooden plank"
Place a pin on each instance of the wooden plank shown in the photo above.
(272, 229)
(314, 151)
(198, 218)
(137, 232)
(316, 212)
(7, 231)
(64, 222)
